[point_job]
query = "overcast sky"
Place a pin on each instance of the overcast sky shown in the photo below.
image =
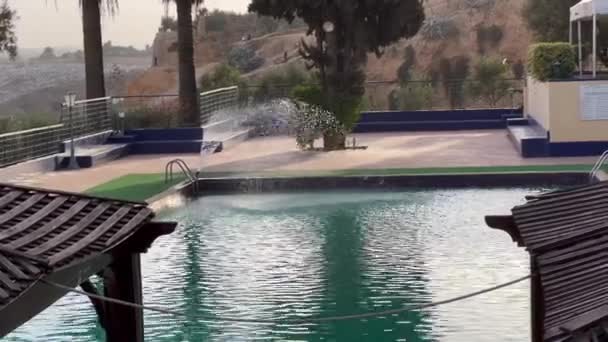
(57, 23)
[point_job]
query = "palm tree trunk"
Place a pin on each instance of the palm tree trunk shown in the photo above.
(93, 49)
(188, 97)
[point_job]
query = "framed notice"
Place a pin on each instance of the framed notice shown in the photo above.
(594, 102)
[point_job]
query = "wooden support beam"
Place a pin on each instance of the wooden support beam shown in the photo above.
(122, 280)
(537, 302)
(506, 224)
(88, 287)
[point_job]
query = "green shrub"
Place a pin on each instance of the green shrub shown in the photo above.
(404, 73)
(490, 81)
(415, 96)
(309, 93)
(244, 58)
(311, 122)
(453, 73)
(222, 76)
(25, 121)
(279, 83)
(518, 69)
(551, 61)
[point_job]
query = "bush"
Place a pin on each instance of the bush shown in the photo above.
(453, 73)
(548, 19)
(518, 69)
(244, 59)
(409, 60)
(411, 97)
(490, 81)
(311, 94)
(279, 83)
(216, 21)
(310, 122)
(25, 121)
(551, 61)
(222, 76)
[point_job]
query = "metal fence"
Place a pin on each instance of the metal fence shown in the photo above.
(217, 100)
(147, 111)
(89, 116)
(20, 146)
(418, 94)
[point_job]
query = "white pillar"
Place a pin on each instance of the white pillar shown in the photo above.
(594, 45)
(570, 33)
(580, 49)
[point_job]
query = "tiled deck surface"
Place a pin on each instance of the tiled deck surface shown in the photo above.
(390, 150)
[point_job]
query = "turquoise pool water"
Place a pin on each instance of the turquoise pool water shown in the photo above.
(286, 256)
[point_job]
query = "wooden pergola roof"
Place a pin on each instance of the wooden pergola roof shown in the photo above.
(62, 235)
(566, 234)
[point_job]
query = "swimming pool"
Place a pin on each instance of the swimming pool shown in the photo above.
(289, 256)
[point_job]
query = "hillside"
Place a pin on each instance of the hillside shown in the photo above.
(454, 33)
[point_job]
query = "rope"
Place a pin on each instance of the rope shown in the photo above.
(293, 321)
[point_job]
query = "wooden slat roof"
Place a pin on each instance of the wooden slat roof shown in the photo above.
(567, 233)
(44, 231)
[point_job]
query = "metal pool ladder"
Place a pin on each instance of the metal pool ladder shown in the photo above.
(598, 166)
(186, 170)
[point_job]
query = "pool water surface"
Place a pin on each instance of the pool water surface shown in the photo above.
(292, 256)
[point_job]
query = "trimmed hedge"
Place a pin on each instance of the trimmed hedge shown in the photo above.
(551, 61)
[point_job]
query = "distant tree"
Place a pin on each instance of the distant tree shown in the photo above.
(267, 24)
(222, 76)
(490, 81)
(244, 58)
(345, 32)
(453, 73)
(409, 60)
(8, 39)
(48, 53)
(411, 97)
(216, 21)
(188, 95)
(549, 19)
(518, 69)
(488, 37)
(168, 24)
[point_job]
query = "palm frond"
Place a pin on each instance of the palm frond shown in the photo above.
(109, 7)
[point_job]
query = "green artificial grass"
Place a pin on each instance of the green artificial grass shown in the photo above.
(134, 187)
(140, 187)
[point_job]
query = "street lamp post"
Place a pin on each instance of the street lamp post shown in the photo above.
(70, 101)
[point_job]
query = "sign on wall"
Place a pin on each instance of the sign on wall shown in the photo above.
(594, 102)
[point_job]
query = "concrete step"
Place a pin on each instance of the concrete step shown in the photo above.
(166, 134)
(91, 155)
(166, 146)
(518, 122)
(531, 141)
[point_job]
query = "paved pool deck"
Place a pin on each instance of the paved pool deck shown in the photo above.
(385, 150)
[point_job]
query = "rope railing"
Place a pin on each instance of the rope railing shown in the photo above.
(308, 320)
